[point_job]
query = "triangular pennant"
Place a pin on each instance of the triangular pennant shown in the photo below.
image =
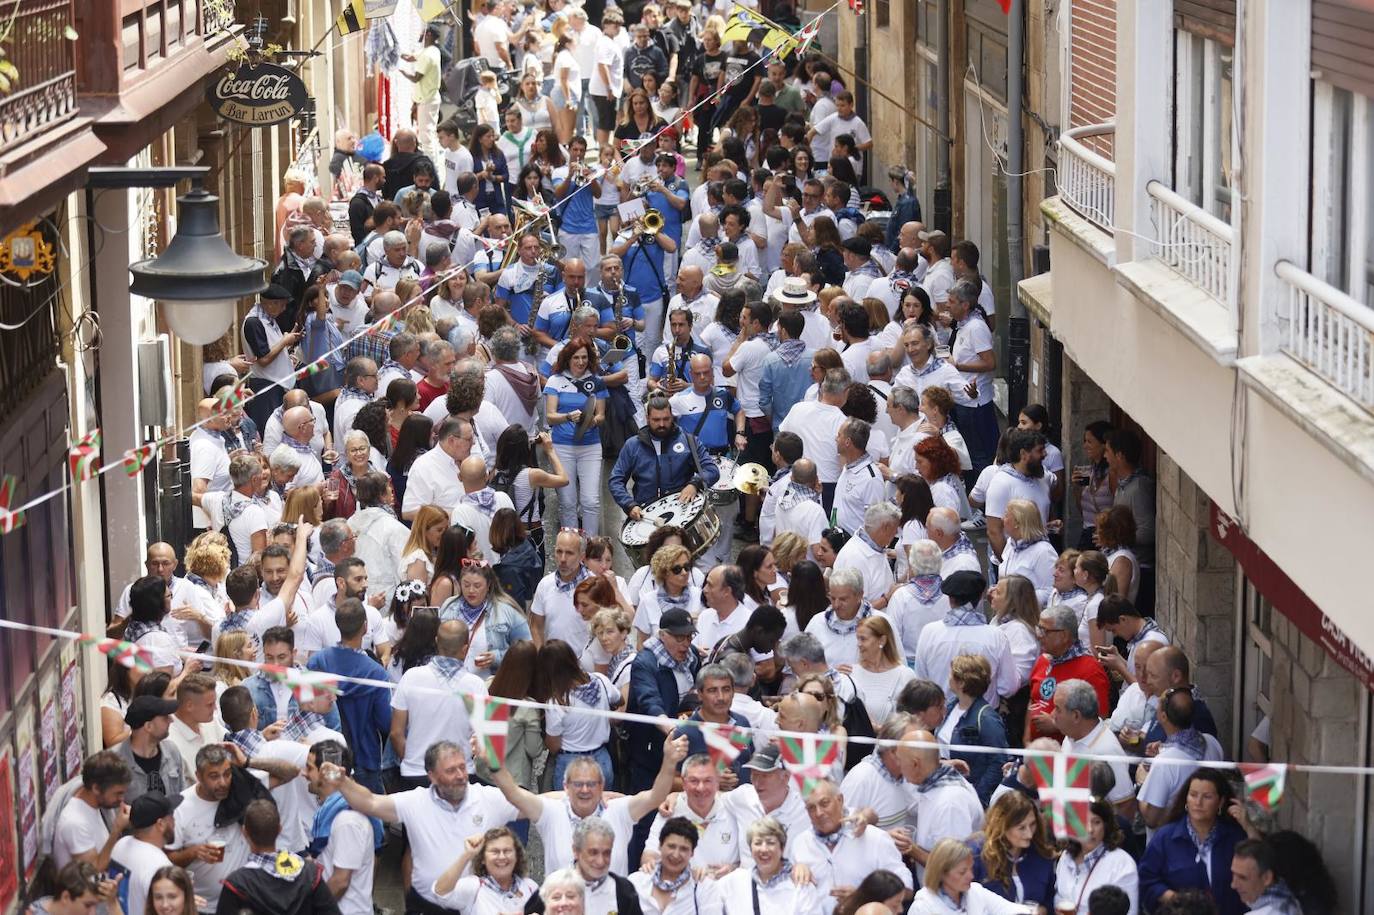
(490, 721)
(134, 657)
(1065, 784)
(231, 398)
(9, 519)
(723, 742)
(136, 459)
(84, 456)
(1264, 784)
(313, 368)
(809, 759)
(306, 685)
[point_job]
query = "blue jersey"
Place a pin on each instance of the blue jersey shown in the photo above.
(682, 357)
(516, 286)
(672, 217)
(555, 313)
(575, 394)
(709, 417)
(578, 217)
(645, 271)
(630, 308)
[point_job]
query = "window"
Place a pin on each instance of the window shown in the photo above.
(1202, 122)
(883, 10)
(1343, 190)
(1257, 666)
(926, 160)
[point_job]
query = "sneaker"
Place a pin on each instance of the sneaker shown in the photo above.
(977, 523)
(746, 532)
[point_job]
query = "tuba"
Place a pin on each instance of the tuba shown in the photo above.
(651, 223)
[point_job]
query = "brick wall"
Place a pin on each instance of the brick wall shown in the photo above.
(1092, 95)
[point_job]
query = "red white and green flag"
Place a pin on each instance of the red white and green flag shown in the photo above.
(134, 657)
(313, 368)
(135, 459)
(490, 721)
(807, 36)
(809, 759)
(9, 518)
(724, 743)
(230, 399)
(307, 685)
(1264, 783)
(1065, 784)
(84, 456)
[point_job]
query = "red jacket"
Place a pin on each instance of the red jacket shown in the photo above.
(1044, 679)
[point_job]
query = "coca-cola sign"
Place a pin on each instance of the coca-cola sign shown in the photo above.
(256, 94)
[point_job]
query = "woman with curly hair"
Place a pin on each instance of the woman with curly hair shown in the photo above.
(1012, 856)
(672, 571)
(1114, 535)
(207, 565)
(575, 406)
(497, 882)
(642, 581)
(938, 465)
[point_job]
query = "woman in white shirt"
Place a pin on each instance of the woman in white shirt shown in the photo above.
(1115, 536)
(880, 673)
(915, 501)
(611, 640)
(672, 570)
(1027, 551)
(567, 83)
(938, 465)
(417, 556)
(720, 335)
(768, 885)
(497, 881)
(949, 886)
(536, 110)
(567, 733)
(1097, 861)
(642, 580)
(1090, 573)
(1016, 611)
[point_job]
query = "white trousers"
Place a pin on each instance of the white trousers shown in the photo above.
(583, 492)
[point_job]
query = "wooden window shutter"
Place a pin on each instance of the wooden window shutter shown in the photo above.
(1214, 19)
(1343, 44)
(1092, 94)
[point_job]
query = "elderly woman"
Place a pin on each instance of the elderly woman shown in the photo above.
(766, 885)
(1028, 551)
(1012, 856)
(564, 892)
(340, 492)
(920, 600)
(672, 571)
(970, 721)
(1194, 849)
(1115, 536)
(949, 886)
(880, 674)
(1098, 860)
(497, 881)
(611, 630)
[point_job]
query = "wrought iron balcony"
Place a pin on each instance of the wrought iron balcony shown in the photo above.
(38, 43)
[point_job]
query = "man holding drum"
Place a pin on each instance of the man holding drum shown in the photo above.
(661, 460)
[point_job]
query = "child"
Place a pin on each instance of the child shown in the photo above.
(605, 202)
(667, 143)
(665, 103)
(488, 101)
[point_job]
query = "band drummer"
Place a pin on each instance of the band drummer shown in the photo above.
(661, 460)
(713, 415)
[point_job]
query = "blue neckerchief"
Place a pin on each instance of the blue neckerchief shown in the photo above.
(667, 602)
(1066, 596)
(447, 668)
(566, 587)
(391, 365)
(590, 693)
(862, 534)
(248, 740)
(137, 629)
(236, 621)
(1189, 741)
(1279, 898)
(1203, 846)
(962, 545)
(296, 446)
(1150, 626)
(323, 569)
(483, 499)
(846, 627)
(769, 338)
(790, 351)
(831, 840)
(784, 873)
(779, 474)
(301, 725)
(927, 588)
(964, 615)
(470, 614)
(944, 775)
(665, 659)
(796, 494)
(195, 579)
(932, 364)
(351, 393)
(873, 760)
(1018, 545)
(669, 886)
(960, 906)
(323, 824)
(515, 891)
(574, 819)
(1076, 650)
(1091, 858)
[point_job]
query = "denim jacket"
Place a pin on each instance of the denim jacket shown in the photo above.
(504, 626)
(261, 688)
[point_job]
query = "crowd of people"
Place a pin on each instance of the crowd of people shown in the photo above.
(825, 525)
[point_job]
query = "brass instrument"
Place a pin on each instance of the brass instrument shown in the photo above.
(651, 223)
(618, 342)
(641, 187)
(536, 299)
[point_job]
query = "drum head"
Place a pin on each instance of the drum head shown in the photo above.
(671, 510)
(636, 533)
(727, 475)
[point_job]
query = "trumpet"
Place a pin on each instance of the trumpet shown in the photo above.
(651, 223)
(641, 187)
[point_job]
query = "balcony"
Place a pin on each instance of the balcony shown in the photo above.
(1328, 332)
(1086, 179)
(45, 92)
(1196, 244)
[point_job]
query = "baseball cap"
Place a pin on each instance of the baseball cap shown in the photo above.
(765, 760)
(275, 292)
(150, 807)
(145, 708)
(351, 278)
(964, 587)
(677, 622)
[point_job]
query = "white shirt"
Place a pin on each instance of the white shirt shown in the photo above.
(456, 161)
(859, 485)
(1005, 486)
(195, 825)
(349, 318)
(690, 899)
(938, 280)
(941, 643)
(189, 742)
(879, 690)
(1164, 782)
(583, 733)
(430, 716)
(345, 409)
(911, 615)
(1101, 741)
(472, 896)
(561, 619)
(433, 480)
(648, 612)
(979, 900)
(703, 309)
(609, 54)
(948, 811)
(748, 365)
(744, 805)
(80, 829)
(321, 631)
(1034, 562)
(711, 628)
(868, 785)
(489, 36)
(871, 563)
(973, 338)
(786, 898)
(209, 461)
(718, 843)
(142, 860)
(556, 824)
(803, 517)
(840, 648)
(502, 396)
(935, 373)
(584, 47)
(855, 358)
(1075, 884)
(351, 848)
(436, 829)
(252, 517)
(477, 521)
(817, 423)
(852, 860)
(1025, 648)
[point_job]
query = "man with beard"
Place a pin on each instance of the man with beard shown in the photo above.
(662, 459)
(437, 819)
(142, 852)
(321, 631)
(150, 756)
(1023, 477)
(342, 839)
(81, 833)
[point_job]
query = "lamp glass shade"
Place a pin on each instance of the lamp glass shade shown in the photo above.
(199, 322)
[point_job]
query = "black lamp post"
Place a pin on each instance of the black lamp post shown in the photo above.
(198, 279)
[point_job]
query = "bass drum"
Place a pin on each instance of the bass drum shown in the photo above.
(699, 524)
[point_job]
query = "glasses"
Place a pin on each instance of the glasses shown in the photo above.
(1041, 630)
(679, 569)
(583, 786)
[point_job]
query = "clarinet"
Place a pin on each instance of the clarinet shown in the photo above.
(536, 299)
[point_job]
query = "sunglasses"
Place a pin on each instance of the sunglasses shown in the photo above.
(679, 569)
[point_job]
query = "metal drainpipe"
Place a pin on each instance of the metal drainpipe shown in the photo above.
(1018, 328)
(942, 211)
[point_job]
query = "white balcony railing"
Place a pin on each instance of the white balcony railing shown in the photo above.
(1329, 332)
(1086, 179)
(1193, 242)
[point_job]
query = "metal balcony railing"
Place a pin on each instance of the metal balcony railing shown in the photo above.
(1193, 242)
(1329, 332)
(1086, 179)
(39, 47)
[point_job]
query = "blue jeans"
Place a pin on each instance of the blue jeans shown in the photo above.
(564, 758)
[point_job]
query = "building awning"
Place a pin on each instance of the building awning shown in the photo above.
(36, 176)
(1037, 294)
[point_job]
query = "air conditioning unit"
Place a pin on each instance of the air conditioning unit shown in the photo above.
(155, 399)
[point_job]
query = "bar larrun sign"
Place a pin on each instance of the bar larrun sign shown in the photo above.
(256, 94)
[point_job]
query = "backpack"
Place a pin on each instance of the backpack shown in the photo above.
(856, 724)
(519, 571)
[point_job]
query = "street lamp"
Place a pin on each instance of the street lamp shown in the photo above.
(198, 279)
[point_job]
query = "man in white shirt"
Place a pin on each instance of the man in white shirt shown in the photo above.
(839, 861)
(704, 805)
(491, 36)
(822, 107)
(818, 423)
(427, 705)
(1077, 716)
(973, 353)
(586, 40)
(965, 630)
(744, 363)
(939, 272)
(692, 296)
(552, 614)
(81, 833)
(860, 485)
(347, 850)
(433, 478)
(924, 369)
(241, 513)
(438, 819)
(904, 411)
(556, 815)
(194, 726)
(844, 120)
(607, 76)
(142, 852)
(1022, 477)
(946, 806)
(1183, 742)
(834, 628)
(866, 551)
(321, 629)
(359, 387)
(457, 160)
(942, 526)
(874, 789)
(512, 387)
(479, 503)
(321, 438)
(209, 459)
(854, 331)
(799, 504)
(811, 206)
(727, 607)
(298, 429)
(770, 792)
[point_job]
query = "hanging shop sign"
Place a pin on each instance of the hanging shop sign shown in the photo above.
(257, 94)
